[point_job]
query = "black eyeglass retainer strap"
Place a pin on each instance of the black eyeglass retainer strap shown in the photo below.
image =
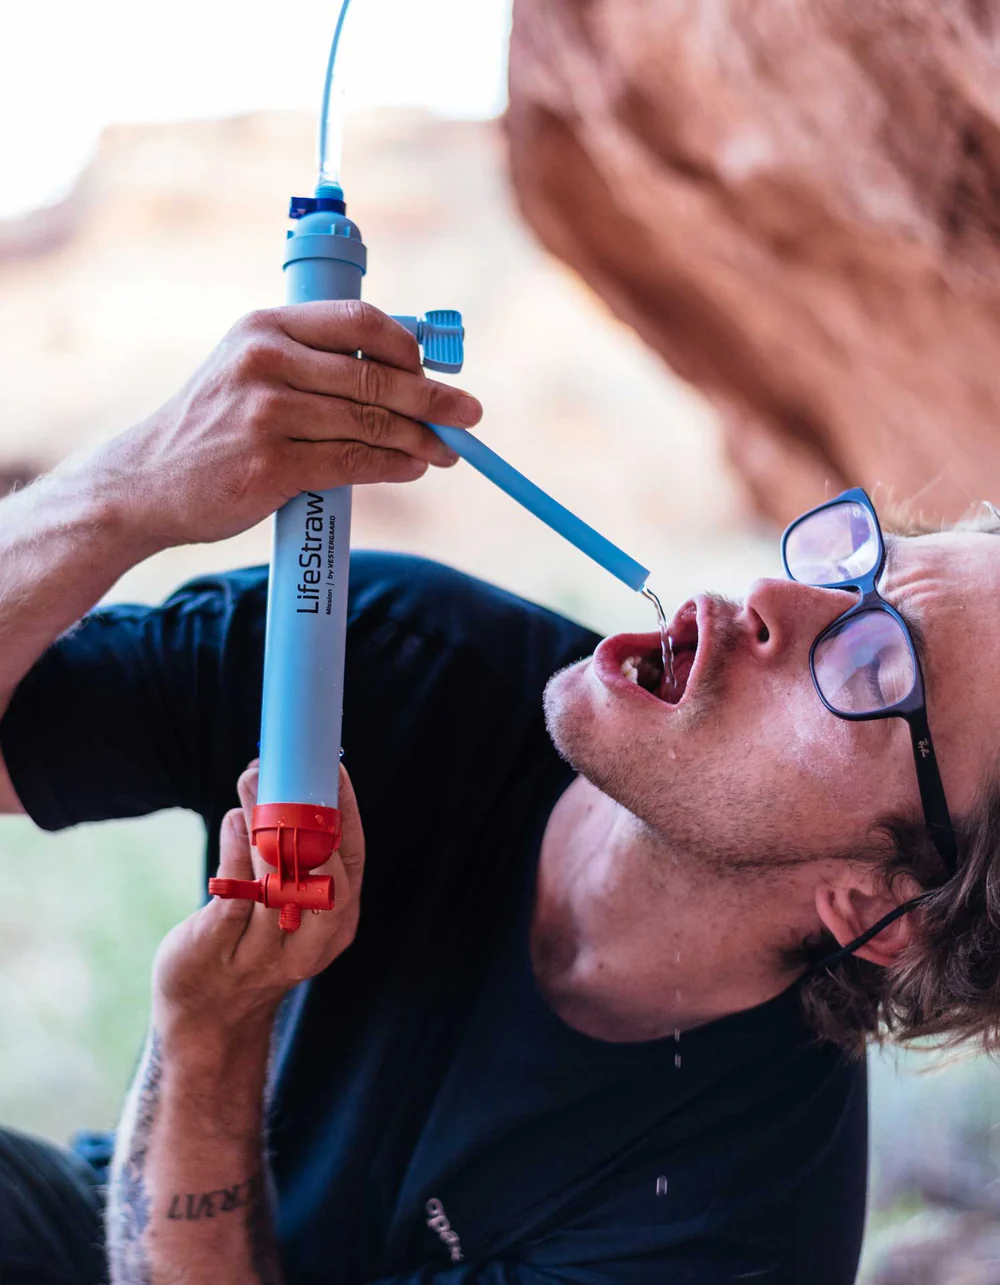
(843, 951)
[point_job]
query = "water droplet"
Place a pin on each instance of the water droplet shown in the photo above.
(677, 957)
(677, 1033)
(661, 1186)
(677, 1061)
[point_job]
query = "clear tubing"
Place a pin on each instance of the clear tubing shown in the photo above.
(331, 117)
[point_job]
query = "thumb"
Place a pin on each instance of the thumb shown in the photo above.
(235, 861)
(224, 917)
(352, 840)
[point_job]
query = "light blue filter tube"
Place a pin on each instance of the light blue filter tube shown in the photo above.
(307, 597)
(543, 506)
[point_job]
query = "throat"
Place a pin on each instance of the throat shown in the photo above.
(620, 945)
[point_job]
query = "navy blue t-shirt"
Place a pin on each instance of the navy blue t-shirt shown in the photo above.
(433, 1122)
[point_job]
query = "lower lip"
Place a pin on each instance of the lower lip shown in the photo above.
(608, 668)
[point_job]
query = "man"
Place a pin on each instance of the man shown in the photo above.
(569, 1038)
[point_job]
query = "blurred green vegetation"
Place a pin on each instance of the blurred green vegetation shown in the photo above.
(81, 915)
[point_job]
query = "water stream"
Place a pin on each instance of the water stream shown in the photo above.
(666, 644)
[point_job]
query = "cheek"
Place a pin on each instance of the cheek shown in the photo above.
(808, 756)
(841, 768)
(806, 736)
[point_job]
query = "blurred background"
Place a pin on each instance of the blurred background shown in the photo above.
(644, 236)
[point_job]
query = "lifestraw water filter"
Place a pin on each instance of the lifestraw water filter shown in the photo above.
(296, 823)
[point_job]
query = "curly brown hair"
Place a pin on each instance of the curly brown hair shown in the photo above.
(945, 985)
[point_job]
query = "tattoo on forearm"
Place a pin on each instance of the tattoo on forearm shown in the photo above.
(129, 1204)
(251, 1196)
(224, 1200)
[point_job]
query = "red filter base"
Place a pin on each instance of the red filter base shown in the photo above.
(294, 837)
(297, 832)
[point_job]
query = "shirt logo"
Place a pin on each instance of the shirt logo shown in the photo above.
(437, 1220)
(924, 747)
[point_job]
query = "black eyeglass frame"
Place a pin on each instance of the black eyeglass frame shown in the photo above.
(913, 707)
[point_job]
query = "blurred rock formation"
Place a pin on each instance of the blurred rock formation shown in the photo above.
(798, 206)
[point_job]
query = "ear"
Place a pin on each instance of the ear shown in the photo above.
(852, 904)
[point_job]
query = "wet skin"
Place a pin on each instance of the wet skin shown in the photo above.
(718, 825)
(751, 754)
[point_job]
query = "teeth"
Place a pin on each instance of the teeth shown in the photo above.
(630, 669)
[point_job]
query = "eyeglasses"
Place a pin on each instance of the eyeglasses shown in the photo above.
(864, 664)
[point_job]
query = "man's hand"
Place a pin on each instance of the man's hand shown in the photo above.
(223, 971)
(282, 405)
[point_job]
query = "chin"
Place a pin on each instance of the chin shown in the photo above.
(569, 713)
(588, 742)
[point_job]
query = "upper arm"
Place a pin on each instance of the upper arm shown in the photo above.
(138, 709)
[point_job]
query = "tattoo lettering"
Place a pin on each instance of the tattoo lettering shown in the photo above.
(189, 1208)
(129, 1204)
(251, 1196)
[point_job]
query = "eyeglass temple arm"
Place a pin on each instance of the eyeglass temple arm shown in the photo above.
(939, 828)
(936, 814)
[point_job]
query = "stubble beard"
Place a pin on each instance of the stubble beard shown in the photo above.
(622, 775)
(687, 805)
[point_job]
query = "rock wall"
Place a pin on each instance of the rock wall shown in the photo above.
(798, 206)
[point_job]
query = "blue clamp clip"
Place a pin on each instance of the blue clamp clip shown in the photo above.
(442, 337)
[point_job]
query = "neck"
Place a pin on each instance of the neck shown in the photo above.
(631, 942)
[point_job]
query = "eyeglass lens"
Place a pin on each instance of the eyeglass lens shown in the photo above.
(864, 664)
(837, 544)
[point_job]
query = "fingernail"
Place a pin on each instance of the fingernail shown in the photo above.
(446, 458)
(239, 823)
(469, 410)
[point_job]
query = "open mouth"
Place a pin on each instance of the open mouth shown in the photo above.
(650, 665)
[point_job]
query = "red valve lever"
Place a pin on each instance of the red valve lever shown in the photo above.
(294, 837)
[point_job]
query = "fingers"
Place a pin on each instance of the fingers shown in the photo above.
(246, 788)
(320, 466)
(373, 383)
(352, 841)
(228, 918)
(328, 419)
(350, 326)
(235, 839)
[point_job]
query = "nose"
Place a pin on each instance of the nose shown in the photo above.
(783, 616)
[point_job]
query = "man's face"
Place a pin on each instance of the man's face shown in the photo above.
(749, 764)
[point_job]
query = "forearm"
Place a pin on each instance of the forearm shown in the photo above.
(64, 541)
(189, 1194)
